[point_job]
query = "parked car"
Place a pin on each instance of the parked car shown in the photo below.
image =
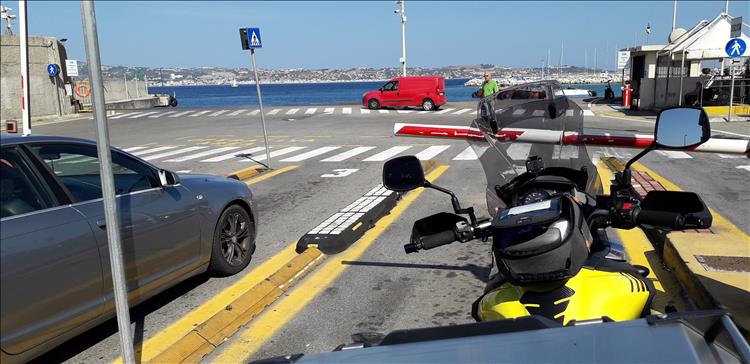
(427, 92)
(55, 278)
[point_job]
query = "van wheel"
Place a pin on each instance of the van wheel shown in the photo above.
(373, 104)
(428, 105)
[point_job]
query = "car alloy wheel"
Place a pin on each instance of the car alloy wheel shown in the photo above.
(373, 104)
(428, 105)
(235, 239)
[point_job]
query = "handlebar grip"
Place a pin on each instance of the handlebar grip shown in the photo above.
(439, 239)
(667, 219)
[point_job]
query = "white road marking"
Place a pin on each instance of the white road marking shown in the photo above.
(346, 110)
(133, 149)
(467, 154)
(431, 152)
(364, 111)
(588, 113)
(218, 113)
(459, 112)
(310, 154)
(292, 111)
(444, 111)
(311, 111)
(162, 114)
(423, 112)
(747, 168)
(152, 150)
(388, 153)
(343, 172)
(199, 113)
(519, 112)
(124, 115)
(540, 113)
(180, 114)
(237, 112)
(404, 111)
(729, 133)
(277, 153)
(142, 115)
(518, 151)
(732, 156)
(173, 152)
(234, 155)
(254, 112)
(671, 154)
(565, 152)
(274, 112)
(328, 110)
(348, 154)
(202, 154)
(184, 171)
(383, 111)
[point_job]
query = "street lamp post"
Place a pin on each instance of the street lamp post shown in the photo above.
(403, 36)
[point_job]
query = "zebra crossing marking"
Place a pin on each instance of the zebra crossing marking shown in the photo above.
(173, 152)
(383, 111)
(274, 112)
(133, 149)
(123, 115)
(237, 112)
(292, 111)
(431, 152)
(255, 112)
(202, 154)
(162, 114)
(310, 154)
(152, 150)
(388, 153)
(348, 154)
(518, 151)
(277, 153)
(467, 154)
(199, 113)
(731, 156)
(311, 111)
(218, 113)
(673, 154)
(142, 115)
(233, 155)
(180, 114)
(346, 110)
(364, 111)
(404, 111)
(445, 111)
(328, 110)
(459, 112)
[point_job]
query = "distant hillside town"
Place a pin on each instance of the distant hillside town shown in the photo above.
(190, 76)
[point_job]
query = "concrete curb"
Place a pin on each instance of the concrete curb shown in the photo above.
(246, 173)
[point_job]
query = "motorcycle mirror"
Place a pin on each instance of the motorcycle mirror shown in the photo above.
(681, 127)
(403, 174)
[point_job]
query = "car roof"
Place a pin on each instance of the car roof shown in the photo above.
(11, 139)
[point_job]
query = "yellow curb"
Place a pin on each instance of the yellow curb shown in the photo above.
(269, 174)
(245, 173)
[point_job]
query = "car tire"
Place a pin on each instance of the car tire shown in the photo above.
(233, 242)
(173, 102)
(373, 104)
(428, 105)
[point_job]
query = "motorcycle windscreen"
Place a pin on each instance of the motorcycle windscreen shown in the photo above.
(524, 122)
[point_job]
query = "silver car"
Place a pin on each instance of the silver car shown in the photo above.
(55, 275)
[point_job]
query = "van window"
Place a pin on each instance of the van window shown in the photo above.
(391, 86)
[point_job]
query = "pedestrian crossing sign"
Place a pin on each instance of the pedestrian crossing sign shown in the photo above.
(253, 38)
(735, 47)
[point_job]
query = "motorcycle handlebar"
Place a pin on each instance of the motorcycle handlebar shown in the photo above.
(661, 218)
(431, 241)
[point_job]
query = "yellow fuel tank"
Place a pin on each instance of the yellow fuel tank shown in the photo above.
(591, 294)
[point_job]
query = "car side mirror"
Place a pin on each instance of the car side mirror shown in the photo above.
(168, 178)
(403, 174)
(681, 127)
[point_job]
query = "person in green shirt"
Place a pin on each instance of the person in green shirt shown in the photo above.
(489, 86)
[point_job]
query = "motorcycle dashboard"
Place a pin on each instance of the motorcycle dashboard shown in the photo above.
(534, 189)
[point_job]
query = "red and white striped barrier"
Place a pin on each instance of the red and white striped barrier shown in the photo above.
(619, 139)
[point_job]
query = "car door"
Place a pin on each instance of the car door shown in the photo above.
(50, 269)
(390, 94)
(159, 225)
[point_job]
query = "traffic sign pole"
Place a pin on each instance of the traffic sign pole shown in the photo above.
(260, 103)
(24, 44)
(735, 48)
(731, 90)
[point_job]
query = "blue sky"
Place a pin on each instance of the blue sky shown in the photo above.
(365, 34)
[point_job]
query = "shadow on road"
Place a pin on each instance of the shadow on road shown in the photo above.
(481, 273)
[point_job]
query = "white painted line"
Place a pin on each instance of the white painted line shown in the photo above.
(747, 168)
(142, 115)
(292, 111)
(541, 113)
(199, 113)
(467, 154)
(328, 110)
(162, 114)
(364, 111)
(348, 154)
(565, 152)
(218, 113)
(124, 115)
(459, 112)
(431, 152)
(672, 154)
(274, 112)
(183, 171)
(444, 111)
(181, 114)
(233, 155)
(728, 132)
(202, 154)
(519, 112)
(237, 112)
(731, 156)
(383, 111)
(173, 152)
(588, 113)
(404, 111)
(423, 112)
(311, 111)
(310, 154)
(388, 153)
(262, 156)
(152, 150)
(518, 151)
(254, 112)
(133, 149)
(347, 110)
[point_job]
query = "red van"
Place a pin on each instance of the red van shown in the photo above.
(427, 92)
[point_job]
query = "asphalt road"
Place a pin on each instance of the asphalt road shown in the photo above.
(384, 289)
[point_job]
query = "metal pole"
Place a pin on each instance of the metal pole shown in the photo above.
(112, 219)
(23, 29)
(682, 78)
(726, 7)
(674, 14)
(262, 114)
(731, 89)
(403, 39)
(125, 77)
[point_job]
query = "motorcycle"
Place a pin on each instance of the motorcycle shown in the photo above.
(547, 213)
(609, 94)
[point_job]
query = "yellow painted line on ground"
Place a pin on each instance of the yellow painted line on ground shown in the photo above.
(270, 174)
(248, 342)
(640, 251)
(182, 327)
(246, 173)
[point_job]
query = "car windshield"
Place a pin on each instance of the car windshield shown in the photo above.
(527, 124)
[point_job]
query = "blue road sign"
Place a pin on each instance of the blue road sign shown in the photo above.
(735, 47)
(253, 38)
(52, 69)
